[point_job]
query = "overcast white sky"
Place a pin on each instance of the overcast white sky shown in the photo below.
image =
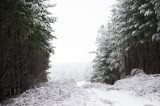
(76, 28)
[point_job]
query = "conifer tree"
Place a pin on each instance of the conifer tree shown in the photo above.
(133, 29)
(25, 29)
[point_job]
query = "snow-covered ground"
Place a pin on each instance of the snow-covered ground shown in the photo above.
(137, 90)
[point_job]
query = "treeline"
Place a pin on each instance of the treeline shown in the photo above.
(25, 32)
(129, 40)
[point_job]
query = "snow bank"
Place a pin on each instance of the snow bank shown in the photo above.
(142, 84)
(57, 93)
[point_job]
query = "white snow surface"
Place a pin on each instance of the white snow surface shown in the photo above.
(136, 90)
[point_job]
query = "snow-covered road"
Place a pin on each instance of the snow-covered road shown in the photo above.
(139, 90)
(108, 96)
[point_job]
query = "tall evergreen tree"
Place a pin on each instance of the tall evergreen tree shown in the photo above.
(133, 27)
(24, 44)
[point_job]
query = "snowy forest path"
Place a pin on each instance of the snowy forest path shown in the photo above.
(70, 93)
(108, 95)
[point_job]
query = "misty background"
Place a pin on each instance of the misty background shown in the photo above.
(76, 29)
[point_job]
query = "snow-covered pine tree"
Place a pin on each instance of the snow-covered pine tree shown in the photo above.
(156, 4)
(25, 32)
(133, 23)
(107, 57)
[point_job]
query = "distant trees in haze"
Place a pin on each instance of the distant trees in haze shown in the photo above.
(25, 32)
(130, 40)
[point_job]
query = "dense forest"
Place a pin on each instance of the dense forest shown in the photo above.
(131, 39)
(25, 34)
(124, 72)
